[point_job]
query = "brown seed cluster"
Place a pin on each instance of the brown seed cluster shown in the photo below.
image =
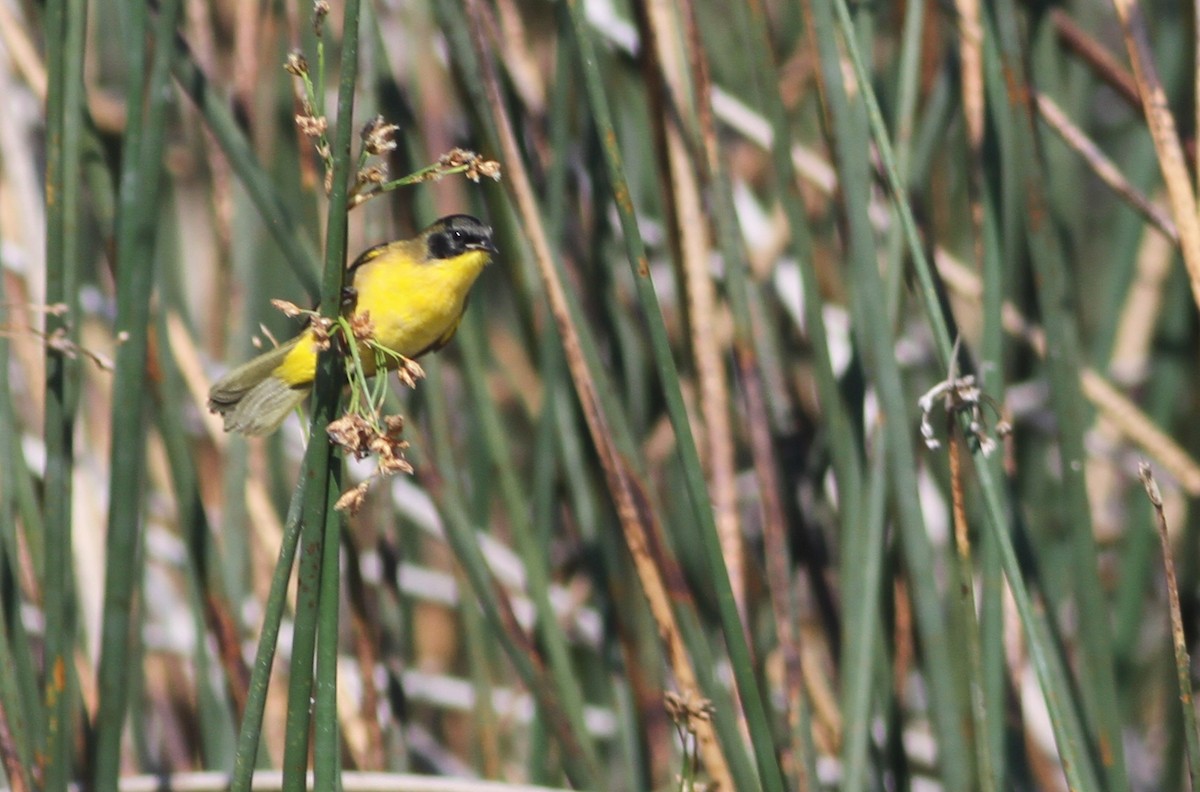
(378, 136)
(409, 371)
(320, 329)
(476, 166)
(363, 431)
(320, 11)
(312, 126)
(361, 438)
(378, 139)
(288, 308)
(362, 327)
(296, 65)
(372, 175)
(687, 709)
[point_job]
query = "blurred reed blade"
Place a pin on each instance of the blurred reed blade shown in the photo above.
(985, 772)
(21, 721)
(863, 624)
(1161, 122)
(991, 587)
(1064, 360)
(294, 241)
(24, 719)
(250, 733)
(845, 445)
(210, 604)
(142, 164)
(16, 755)
(1183, 665)
(941, 672)
(497, 609)
(752, 355)
(21, 688)
(66, 24)
(685, 446)
(533, 554)
(618, 457)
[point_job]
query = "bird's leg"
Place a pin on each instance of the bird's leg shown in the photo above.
(349, 298)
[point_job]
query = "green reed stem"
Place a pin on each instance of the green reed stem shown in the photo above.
(317, 591)
(139, 189)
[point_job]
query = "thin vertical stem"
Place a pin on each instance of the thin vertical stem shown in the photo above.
(875, 337)
(326, 751)
(970, 624)
(268, 639)
(16, 771)
(845, 446)
(1183, 664)
(324, 466)
(862, 620)
(65, 33)
(1161, 122)
(1064, 361)
(139, 188)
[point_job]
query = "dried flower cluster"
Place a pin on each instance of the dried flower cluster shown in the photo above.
(320, 11)
(961, 395)
(312, 126)
(296, 65)
(378, 138)
(320, 326)
(364, 430)
(409, 371)
(361, 437)
(311, 123)
(62, 343)
(470, 164)
(288, 308)
(686, 711)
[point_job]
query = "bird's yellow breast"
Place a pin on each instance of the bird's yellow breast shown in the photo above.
(414, 306)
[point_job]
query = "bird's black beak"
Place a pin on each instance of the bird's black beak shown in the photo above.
(485, 244)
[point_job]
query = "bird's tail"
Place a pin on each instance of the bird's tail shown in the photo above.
(251, 399)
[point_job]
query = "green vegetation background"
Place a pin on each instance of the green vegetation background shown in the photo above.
(679, 513)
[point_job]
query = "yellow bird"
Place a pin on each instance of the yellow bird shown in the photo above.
(414, 290)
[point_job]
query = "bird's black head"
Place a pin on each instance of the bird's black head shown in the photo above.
(456, 234)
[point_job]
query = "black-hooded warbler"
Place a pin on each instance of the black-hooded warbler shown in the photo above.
(413, 291)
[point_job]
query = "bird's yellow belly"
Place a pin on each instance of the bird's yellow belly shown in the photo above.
(412, 309)
(413, 331)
